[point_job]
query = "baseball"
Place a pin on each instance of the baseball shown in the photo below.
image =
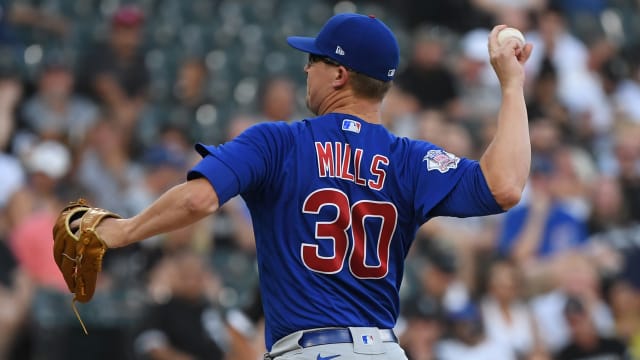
(509, 32)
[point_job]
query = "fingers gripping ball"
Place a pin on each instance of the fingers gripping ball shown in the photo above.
(507, 33)
(78, 254)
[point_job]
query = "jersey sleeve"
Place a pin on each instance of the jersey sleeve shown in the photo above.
(446, 185)
(470, 196)
(244, 164)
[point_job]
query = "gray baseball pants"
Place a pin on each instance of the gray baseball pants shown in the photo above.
(366, 344)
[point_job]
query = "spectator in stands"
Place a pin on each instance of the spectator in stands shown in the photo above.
(33, 211)
(11, 90)
(506, 316)
(628, 89)
(190, 102)
(188, 325)
(445, 13)
(610, 209)
(586, 342)
(469, 340)
(479, 89)
(153, 257)
(437, 270)
(115, 73)
(499, 8)
(13, 176)
(16, 16)
(544, 102)
(587, 95)
(579, 73)
(613, 237)
(457, 140)
(16, 293)
(428, 65)
(233, 229)
(546, 139)
(106, 170)
(573, 275)
(277, 99)
(543, 227)
(575, 174)
(584, 16)
(430, 125)
(163, 166)
(553, 39)
(627, 156)
(624, 297)
(25, 13)
(400, 112)
(422, 329)
(54, 111)
(15, 285)
(246, 328)
(16, 297)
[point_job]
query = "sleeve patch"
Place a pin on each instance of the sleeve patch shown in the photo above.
(440, 160)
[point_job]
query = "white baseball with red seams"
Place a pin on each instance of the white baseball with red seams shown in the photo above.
(510, 32)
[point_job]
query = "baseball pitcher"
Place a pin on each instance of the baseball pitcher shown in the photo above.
(335, 199)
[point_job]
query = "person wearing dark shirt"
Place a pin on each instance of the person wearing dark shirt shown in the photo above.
(627, 155)
(427, 66)
(190, 107)
(16, 292)
(187, 326)
(586, 343)
(115, 74)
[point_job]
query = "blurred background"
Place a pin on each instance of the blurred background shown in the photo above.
(104, 99)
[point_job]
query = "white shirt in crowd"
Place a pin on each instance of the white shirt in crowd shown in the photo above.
(516, 334)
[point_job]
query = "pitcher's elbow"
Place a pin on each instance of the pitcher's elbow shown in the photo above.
(201, 200)
(508, 197)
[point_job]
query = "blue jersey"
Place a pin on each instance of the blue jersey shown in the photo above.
(335, 203)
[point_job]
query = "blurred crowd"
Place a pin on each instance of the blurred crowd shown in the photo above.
(556, 277)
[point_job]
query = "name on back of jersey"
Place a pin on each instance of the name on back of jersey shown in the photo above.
(335, 160)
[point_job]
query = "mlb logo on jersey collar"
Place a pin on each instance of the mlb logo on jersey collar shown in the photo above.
(351, 125)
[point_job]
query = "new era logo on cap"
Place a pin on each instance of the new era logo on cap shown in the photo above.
(339, 50)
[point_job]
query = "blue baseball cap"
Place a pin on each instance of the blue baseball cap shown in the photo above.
(359, 42)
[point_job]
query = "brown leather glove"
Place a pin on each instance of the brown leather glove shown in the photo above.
(78, 252)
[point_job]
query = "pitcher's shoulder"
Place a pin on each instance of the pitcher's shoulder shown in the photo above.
(277, 130)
